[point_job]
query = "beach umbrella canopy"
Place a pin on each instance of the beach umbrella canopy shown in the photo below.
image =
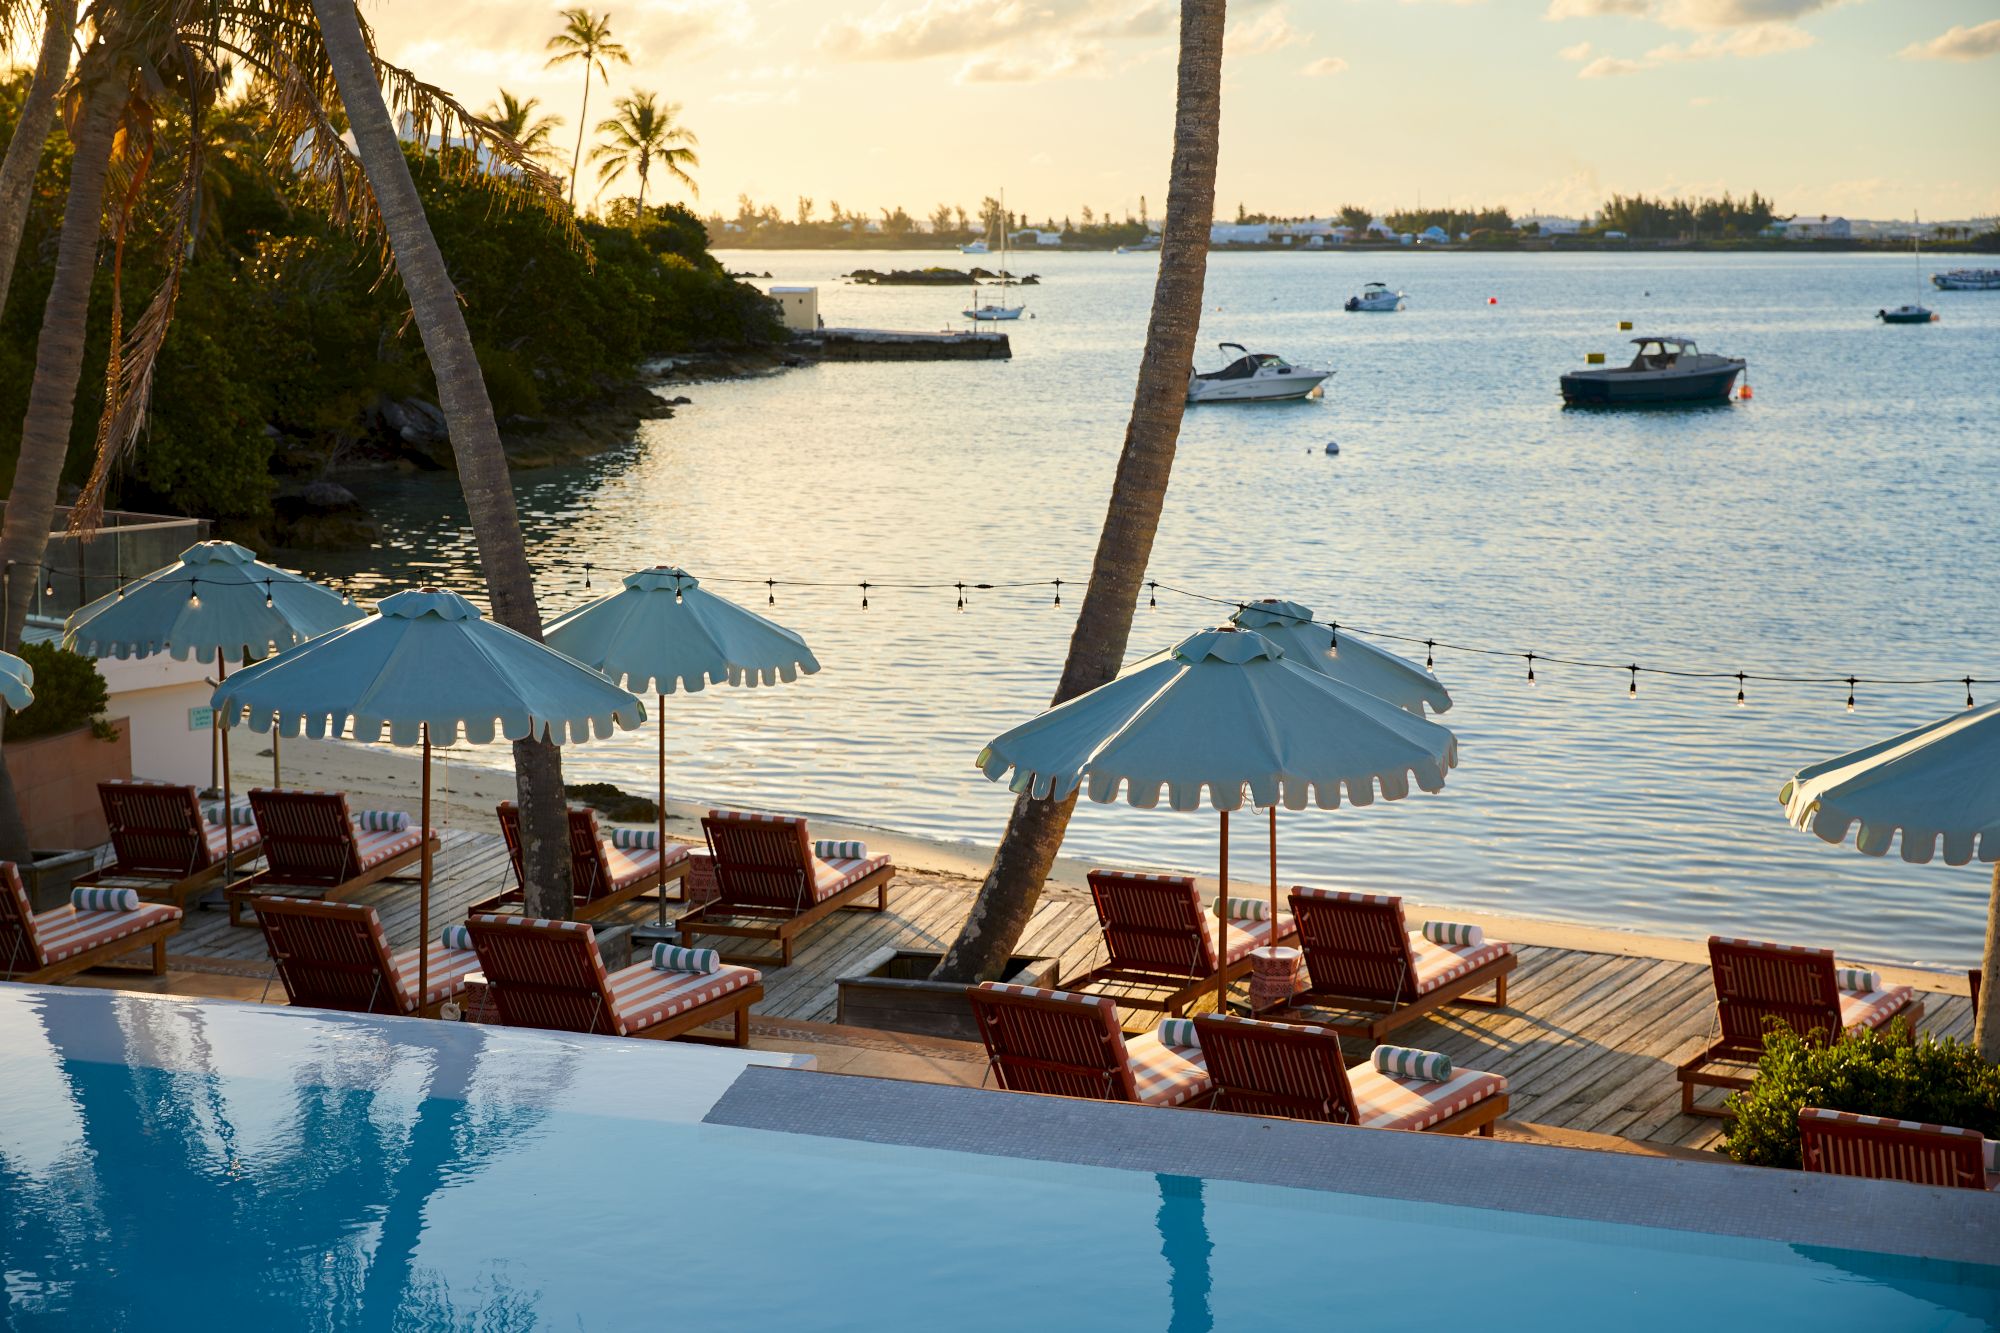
(1345, 657)
(1939, 787)
(17, 682)
(427, 667)
(664, 632)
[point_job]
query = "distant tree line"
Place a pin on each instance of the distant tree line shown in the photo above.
(1670, 219)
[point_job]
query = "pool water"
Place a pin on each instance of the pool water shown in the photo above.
(245, 1173)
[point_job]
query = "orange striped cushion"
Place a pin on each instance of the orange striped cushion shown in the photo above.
(63, 932)
(830, 877)
(1385, 1102)
(642, 995)
(1873, 1009)
(447, 971)
(375, 848)
(1438, 963)
(1166, 1075)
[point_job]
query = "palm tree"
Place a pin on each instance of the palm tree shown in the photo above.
(644, 136)
(585, 38)
(515, 117)
(38, 114)
(475, 436)
(1013, 885)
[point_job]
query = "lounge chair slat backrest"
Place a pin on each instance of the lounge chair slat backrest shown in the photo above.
(1757, 984)
(156, 827)
(1355, 944)
(1054, 1042)
(544, 974)
(20, 947)
(763, 862)
(331, 955)
(1842, 1143)
(589, 872)
(1276, 1069)
(308, 837)
(1153, 923)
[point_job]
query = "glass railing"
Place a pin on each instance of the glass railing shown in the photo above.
(79, 570)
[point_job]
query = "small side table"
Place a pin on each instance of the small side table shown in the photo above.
(1274, 978)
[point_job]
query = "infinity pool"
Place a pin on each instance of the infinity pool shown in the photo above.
(246, 1168)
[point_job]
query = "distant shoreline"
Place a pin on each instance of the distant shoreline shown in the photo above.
(1942, 253)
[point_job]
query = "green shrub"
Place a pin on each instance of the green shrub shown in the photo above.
(1941, 1082)
(69, 693)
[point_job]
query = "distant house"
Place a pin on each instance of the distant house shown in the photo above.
(1614, 235)
(1380, 230)
(1551, 226)
(1310, 231)
(1822, 228)
(1239, 233)
(1034, 236)
(1434, 235)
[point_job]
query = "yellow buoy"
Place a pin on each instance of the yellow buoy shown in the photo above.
(1625, 325)
(1593, 358)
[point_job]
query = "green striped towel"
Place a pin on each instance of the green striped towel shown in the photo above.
(828, 849)
(635, 839)
(104, 900)
(1404, 1062)
(239, 812)
(1178, 1032)
(381, 821)
(1452, 935)
(457, 939)
(673, 958)
(1857, 979)
(1245, 909)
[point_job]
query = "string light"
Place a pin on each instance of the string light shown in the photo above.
(961, 597)
(587, 567)
(194, 593)
(864, 596)
(1429, 646)
(1632, 690)
(770, 592)
(48, 582)
(1153, 594)
(1968, 691)
(1850, 694)
(1058, 583)
(1740, 700)
(267, 593)
(1333, 629)
(677, 592)
(1531, 668)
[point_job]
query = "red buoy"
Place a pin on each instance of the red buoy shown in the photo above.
(1744, 392)
(1493, 300)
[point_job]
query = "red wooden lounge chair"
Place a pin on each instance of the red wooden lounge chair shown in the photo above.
(770, 886)
(1361, 955)
(1067, 1045)
(548, 974)
(336, 956)
(601, 876)
(1757, 985)
(58, 943)
(311, 841)
(1157, 933)
(161, 843)
(1297, 1071)
(1845, 1144)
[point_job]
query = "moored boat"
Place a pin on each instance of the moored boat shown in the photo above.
(1967, 280)
(1906, 314)
(1666, 370)
(1375, 297)
(1255, 377)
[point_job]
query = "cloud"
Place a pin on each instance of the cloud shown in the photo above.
(1764, 39)
(1610, 67)
(1077, 58)
(1581, 51)
(1559, 10)
(1323, 67)
(1974, 43)
(1270, 31)
(1691, 15)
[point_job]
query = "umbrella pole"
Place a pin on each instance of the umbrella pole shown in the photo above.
(424, 883)
(660, 813)
(216, 720)
(1274, 873)
(276, 781)
(1986, 1020)
(1222, 915)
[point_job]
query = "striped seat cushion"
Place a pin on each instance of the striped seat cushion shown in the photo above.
(376, 847)
(628, 867)
(63, 932)
(1438, 963)
(245, 836)
(830, 877)
(1166, 1075)
(448, 969)
(1384, 1102)
(1872, 1009)
(642, 995)
(1246, 935)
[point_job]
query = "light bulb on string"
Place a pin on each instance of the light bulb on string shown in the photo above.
(1058, 583)
(1632, 690)
(1850, 693)
(1968, 691)
(267, 593)
(194, 593)
(961, 597)
(770, 592)
(586, 576)
(1152, 594)
(864, 597)
(48, 583)
(1333, 628)
(1531, 668)
(677, 592)
(1429, 646)
(1740, 701)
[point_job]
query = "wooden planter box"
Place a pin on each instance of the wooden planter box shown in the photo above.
(893, 992)
(49, 879)
(55, 781)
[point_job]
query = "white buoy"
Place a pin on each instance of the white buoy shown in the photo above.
(1333, 446)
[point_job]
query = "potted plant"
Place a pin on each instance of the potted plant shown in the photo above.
(57, 750)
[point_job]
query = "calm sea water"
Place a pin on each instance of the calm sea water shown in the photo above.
(1838, 523)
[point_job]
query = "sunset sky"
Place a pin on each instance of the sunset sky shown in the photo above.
(1871, 108)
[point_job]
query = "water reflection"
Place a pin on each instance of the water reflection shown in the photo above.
(1184, 1244)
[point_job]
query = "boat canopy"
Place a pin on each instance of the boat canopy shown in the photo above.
(1668, 339)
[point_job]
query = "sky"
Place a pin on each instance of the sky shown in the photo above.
(1866, 108)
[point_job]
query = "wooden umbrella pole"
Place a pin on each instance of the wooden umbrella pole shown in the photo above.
(276, 781)
(424, 882)
(1986, 1015)
(216, 720)
(1274, 872)
(660, 811)
(1222, 915)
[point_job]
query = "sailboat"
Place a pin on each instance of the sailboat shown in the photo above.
(992, 310)
(1911, 313)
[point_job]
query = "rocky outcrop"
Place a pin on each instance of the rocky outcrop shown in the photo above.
(323, 515)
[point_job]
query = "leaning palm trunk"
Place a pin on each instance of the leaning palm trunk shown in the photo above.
(31, 505)
(475, 438)
(31, 133)
(1097, 647)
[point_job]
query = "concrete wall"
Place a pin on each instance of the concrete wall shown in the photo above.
(156, 694)
(799, 307)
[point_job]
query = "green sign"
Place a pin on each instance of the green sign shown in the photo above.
(201, 719)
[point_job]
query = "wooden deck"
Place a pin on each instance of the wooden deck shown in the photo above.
(1589, 1041)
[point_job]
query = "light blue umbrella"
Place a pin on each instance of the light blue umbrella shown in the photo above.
(426, 667)
(1344, 656)
(17, 682)
(665, 631)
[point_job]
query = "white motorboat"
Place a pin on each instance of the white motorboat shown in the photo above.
(1255, 377)
(975, 248)
(1375, 297)
(981, 312)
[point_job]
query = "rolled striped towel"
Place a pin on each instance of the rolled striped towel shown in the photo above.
(828, 849)
(104, 900)
(1245, 909)
(457, 939)
(238, 811)
(673, 958)
(1404, 1062)
(1857, 979)
(381, 821)
(635, 839)
(1178, 1032)
(1452, 935)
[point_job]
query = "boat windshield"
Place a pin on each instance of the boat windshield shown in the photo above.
(1657, 355)
(1243, 367)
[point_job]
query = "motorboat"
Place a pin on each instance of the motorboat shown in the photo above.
(1967, 280)
(1906, 314)
(1665, 370)
(1375, 297)
(975, 248)
(1254, 377)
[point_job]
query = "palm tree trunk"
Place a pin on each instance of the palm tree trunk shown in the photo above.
(1138, 493)
(31, 505)
(475, 437)
(31, 133)
(582, 119)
